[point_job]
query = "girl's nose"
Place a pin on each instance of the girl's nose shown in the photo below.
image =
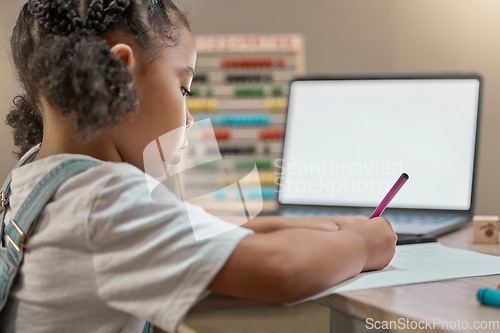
(189, 119)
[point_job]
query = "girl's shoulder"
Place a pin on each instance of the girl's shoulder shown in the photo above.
(30, 174)
(104, 179)
(101, 197)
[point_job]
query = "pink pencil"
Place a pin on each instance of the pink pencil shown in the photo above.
(390, 195)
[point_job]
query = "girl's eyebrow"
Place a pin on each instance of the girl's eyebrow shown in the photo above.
(189, 70)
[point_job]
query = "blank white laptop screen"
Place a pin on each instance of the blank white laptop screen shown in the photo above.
(347, 141)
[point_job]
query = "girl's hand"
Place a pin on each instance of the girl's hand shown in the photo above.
(379, 238)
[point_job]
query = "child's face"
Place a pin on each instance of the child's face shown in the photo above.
(162, 111)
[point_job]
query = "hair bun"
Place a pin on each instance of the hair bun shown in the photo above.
(61, 17)
(102, 13)
(56, 16)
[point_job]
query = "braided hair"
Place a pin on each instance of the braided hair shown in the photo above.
(60, 51)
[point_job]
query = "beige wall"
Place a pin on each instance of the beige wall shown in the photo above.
(359, 36)
(385, 36)
(8, 12)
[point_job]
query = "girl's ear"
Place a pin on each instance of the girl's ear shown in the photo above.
(125, 54)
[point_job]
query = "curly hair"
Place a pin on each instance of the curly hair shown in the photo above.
(61, 54)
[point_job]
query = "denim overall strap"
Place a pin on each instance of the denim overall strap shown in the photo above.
(20, 227)
(5, 191)
(148, 328)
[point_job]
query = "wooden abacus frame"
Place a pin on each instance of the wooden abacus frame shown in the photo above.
(229, 69)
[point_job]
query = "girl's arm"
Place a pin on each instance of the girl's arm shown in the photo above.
(289, 264)
(324, 223)
(261, 224)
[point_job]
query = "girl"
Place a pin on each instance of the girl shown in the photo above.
(103, 78)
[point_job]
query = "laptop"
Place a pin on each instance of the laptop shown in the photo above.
(348, 139)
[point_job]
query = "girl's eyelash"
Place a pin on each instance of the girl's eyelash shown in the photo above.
(185, 92)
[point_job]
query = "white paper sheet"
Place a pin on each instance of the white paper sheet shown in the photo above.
(419, 263)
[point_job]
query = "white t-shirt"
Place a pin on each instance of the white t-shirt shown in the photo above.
(105, 256)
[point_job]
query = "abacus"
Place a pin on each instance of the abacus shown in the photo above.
(241, 86)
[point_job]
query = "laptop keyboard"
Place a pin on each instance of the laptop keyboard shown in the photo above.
(292, 212)
(428, 218)
(392, 216)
